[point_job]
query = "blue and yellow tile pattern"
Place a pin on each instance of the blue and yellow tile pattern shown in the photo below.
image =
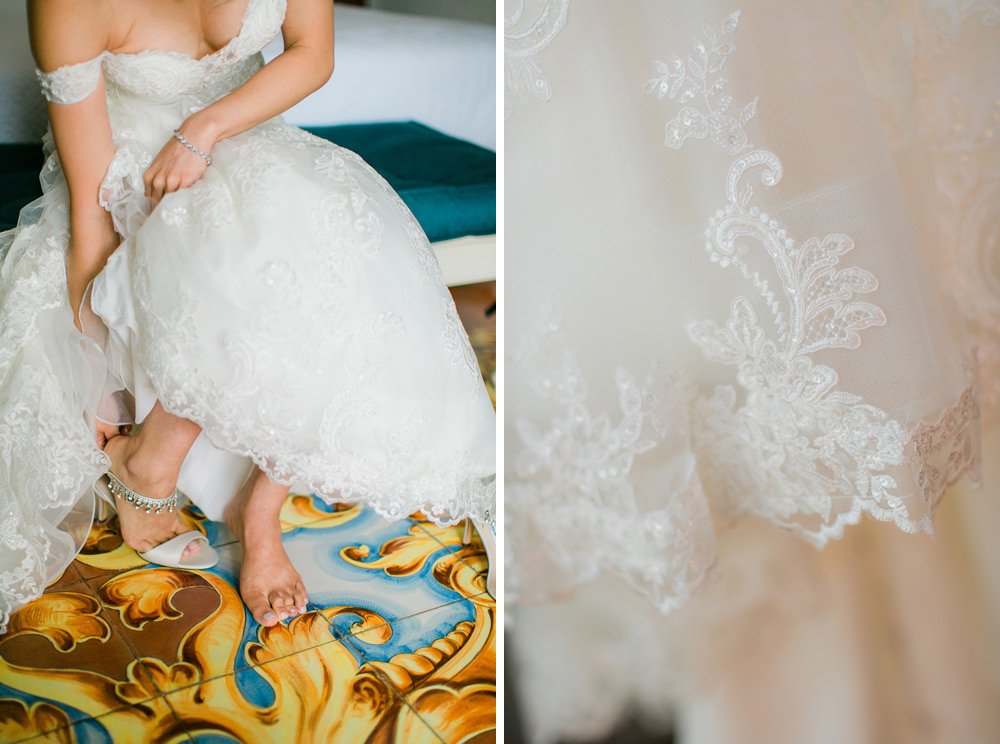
(397, 645)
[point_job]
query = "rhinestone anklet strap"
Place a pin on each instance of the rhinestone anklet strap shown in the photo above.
(121, 491)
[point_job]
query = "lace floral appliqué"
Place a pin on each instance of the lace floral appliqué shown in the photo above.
(580, 472)
(811, 457)
(523, 78)
(71, 83)
(701, 75)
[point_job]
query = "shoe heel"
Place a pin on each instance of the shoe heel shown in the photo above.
(487, 536)
(467, 535)
(104, 505)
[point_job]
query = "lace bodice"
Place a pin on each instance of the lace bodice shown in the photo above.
(169, 76)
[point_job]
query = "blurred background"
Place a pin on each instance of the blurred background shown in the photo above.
(481, 11)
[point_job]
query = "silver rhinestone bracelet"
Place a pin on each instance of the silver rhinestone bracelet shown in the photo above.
(192, 147)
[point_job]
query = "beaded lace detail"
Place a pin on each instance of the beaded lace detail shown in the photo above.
(700, 75)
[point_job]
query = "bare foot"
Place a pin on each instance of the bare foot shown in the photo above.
(269, 584)
(143, 531)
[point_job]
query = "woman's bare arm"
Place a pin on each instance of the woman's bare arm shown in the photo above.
(66, 32)
(304, 66)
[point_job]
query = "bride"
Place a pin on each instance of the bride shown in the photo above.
(258, 299)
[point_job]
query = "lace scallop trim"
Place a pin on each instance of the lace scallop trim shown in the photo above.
(947, 449)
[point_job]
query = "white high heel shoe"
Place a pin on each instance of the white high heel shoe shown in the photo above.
(488, 535)
(108, 488)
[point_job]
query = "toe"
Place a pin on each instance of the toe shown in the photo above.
(261, 610)
(301, 598)
(282, 604)
(192, 547)
(289, 603)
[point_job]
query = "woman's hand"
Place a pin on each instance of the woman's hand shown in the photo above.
(105, 431)
(176, 166)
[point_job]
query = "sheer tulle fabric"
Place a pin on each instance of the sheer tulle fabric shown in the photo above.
(752, 208)
(288, 303)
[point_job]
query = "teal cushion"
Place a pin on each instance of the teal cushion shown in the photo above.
(448, 184)
(19, 168)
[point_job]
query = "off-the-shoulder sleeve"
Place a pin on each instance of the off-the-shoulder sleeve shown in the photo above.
(70, 83)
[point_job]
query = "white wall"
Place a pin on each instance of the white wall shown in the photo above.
(483, 11)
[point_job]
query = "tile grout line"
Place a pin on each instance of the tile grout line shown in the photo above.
(451, 549)
(354, 642)
(85, 719)
(412, 615)
(180, 720)
(138, 657)
(114, 630)
(336, 636)
(391, 687)
(397, 693)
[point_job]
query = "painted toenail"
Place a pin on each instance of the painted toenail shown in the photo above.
(302, 608)
(283, 615)
(268, 616)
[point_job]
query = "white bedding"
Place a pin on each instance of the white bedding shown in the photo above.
(388, 67)
(393, 67)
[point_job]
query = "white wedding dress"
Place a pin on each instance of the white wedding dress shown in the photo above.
(288, 303)
(753, 324)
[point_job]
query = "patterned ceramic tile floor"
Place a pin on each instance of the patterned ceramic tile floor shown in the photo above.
(398, 644)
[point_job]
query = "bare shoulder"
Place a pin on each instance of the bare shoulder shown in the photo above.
(66, 32)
